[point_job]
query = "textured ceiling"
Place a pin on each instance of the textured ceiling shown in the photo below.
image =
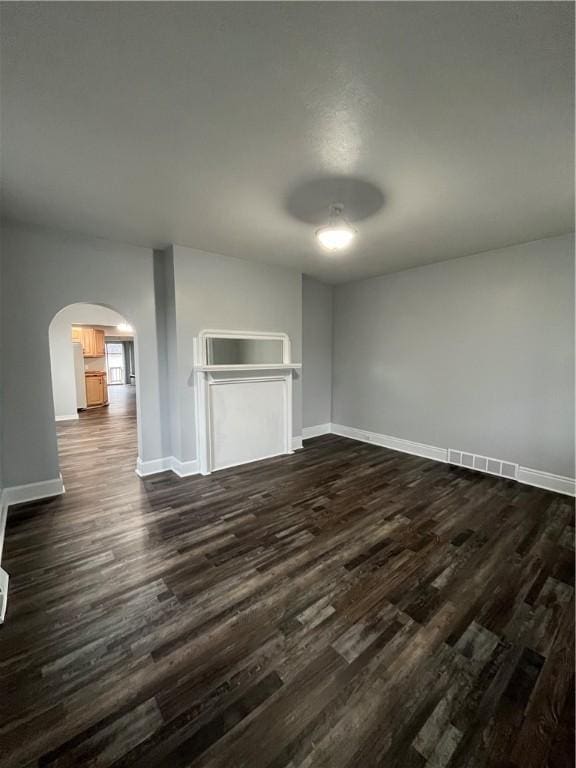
(218, 125)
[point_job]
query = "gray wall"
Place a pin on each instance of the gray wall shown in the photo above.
(474, 353)
(222, 292)
(165, 330)
(45, 271)
(1, 394)
(316, 352)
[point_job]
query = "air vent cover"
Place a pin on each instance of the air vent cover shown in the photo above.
(483, 464)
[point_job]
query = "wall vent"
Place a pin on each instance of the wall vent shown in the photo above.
(483, 464)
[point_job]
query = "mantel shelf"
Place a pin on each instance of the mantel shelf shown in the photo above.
(250, 367)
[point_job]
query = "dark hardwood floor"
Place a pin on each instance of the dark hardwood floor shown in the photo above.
(347, 606)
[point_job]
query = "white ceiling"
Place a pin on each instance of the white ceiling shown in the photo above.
(207, 124)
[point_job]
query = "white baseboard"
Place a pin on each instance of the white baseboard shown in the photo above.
(67, 418)
(548, 481)
(3, 516)
(3, 594)
(184, 468)
(316, 431)
(395, 443)
(153, 467)
(165, 464)
(18, 494)
(534, 477)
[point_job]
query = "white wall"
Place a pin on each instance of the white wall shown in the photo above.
(317, 323)
(45, 271)
(474, 353)
(212, 291)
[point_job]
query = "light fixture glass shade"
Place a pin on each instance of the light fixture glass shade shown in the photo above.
(335, 238)
(125, 327)
(337, 234)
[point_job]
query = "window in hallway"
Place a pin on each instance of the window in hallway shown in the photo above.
(115, 363)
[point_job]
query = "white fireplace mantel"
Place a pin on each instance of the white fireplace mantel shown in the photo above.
(244, 411)
(250, 367)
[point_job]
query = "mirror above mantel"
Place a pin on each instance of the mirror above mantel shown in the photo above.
(238, 350)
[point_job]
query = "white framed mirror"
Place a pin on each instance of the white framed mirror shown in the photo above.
(220, 351)
(230, 349)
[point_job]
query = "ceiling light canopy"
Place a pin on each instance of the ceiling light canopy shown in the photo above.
(338, 233)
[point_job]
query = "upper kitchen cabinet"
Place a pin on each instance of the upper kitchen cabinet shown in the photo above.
(98, 349)
(92, 340)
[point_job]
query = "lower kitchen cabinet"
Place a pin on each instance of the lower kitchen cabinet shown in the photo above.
(96, 389)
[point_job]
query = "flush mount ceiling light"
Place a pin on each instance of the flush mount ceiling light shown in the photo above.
(126, 327)
(338, 233)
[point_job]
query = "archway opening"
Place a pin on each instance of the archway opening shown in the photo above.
(93, 370)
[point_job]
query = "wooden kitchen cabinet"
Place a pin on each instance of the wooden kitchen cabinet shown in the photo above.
(98, 342)
(92, 340)
(96, 389)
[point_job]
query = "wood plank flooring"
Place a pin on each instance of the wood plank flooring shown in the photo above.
(344, 607)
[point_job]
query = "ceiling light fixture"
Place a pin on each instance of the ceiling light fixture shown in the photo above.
(126, 327)
(338, 233)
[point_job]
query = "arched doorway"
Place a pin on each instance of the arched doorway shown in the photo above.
(93, 371)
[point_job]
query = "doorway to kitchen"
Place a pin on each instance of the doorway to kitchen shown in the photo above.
(94, 392)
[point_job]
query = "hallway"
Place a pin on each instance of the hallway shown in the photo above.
(103, 442)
